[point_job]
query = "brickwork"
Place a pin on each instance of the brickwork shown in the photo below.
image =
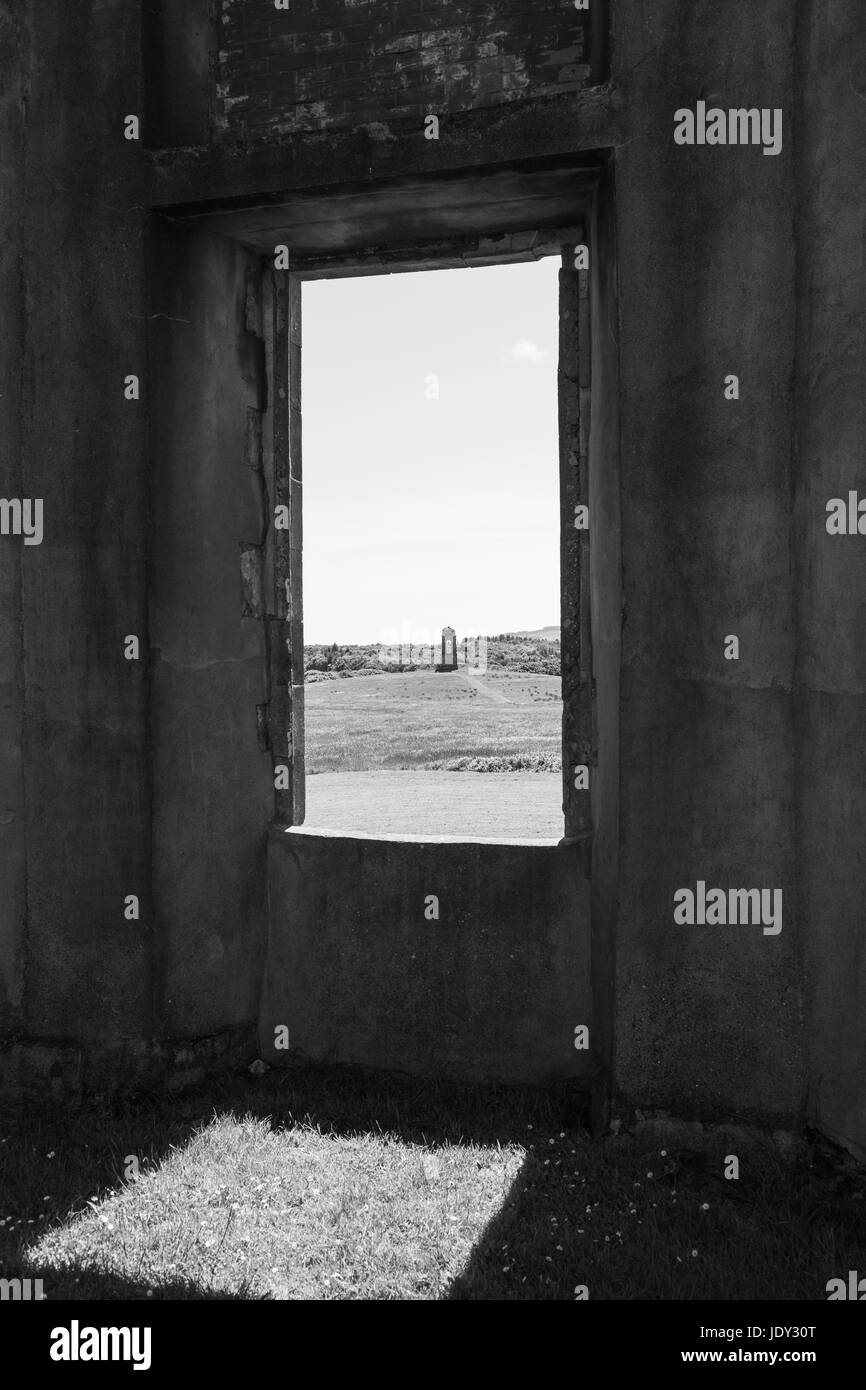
(331, 64)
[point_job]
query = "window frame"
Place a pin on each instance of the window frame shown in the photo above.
(282, 293)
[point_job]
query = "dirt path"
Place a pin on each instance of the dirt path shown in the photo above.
(488, 692)
(501, 805)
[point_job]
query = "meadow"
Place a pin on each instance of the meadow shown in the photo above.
(423, 720)
(401, 753)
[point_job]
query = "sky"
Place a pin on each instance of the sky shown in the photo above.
(422, 511)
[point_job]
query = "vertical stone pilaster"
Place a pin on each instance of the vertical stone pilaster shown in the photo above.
(286, 640)
(576, 650)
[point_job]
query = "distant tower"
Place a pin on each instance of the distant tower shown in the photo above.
(449, 650)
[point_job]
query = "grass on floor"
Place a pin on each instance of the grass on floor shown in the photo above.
(323, 1183)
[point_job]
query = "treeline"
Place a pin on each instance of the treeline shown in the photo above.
(523, 654)
(505, 652)
(342, 661)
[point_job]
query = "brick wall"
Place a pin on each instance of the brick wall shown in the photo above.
(328, 64)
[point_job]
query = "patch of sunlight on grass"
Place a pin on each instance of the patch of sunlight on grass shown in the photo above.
(324, 1183)
(244, 1210)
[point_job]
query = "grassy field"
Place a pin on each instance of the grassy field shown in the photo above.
(502, 806)
(497, 722)
(323, 1184)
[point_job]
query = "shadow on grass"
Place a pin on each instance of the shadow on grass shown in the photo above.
(630, 1218)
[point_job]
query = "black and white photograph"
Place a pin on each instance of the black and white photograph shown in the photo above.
(432, 673)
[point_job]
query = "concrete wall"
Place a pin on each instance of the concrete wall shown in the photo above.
(117, 772)
(149, 778)
(212, 781)
(13, 842)
(75, 977)
(492, 989)
(830, 571)
(741, 773)
(606, 616)
(320, 66)
(707, 1016)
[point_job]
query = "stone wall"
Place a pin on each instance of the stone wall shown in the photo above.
(829, 572)
(443, 957)
(315, 66)
(74, 770)
(706, 258)
(150, 778)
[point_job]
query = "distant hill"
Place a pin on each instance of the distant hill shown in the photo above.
(541, 634)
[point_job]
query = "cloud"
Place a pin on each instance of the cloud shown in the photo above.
(525, 351)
